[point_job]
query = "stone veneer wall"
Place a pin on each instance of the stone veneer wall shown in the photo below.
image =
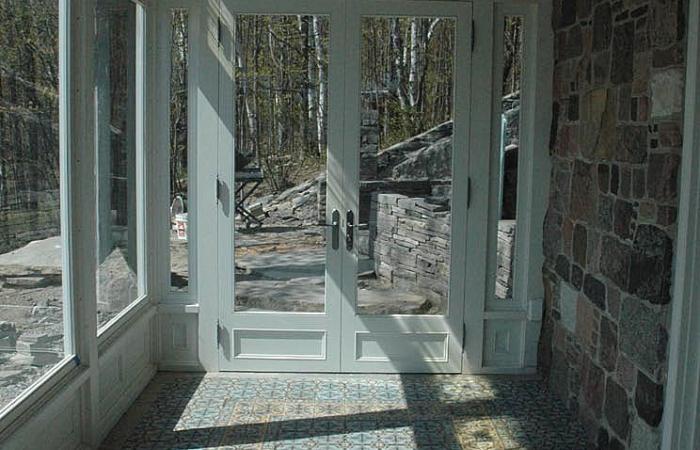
(411, 244)
(611, 224)
(22, 225)
(410, 241)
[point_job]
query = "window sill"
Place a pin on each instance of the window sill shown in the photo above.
(121, 323)
(40, 393)
(178, 308)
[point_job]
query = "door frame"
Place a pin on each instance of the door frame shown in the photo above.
(235, 328)
(198, 313)
(393, 333)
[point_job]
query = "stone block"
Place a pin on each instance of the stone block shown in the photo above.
(568, 299)
(595, 291)
(604, 178)
(587, 325)
(622, 53)
(593, 387)
(651, 265)
(649, 400)
(642, 336)
(563, 268)
(644, 437)
(567, 14)
(670, 134)
(608, 344)
(584, 192)
(605, 212)
(666, 22)
(662, 177)
(40, 347)
(577, 276)
(580, 242)
(8, 336)
(615, 261)
(626, 373)
(602, 27)
(624, 217)
(617, 408)
(667, 89)
(632, 145)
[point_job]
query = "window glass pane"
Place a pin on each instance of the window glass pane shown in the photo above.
(31, 246)
(281, 153)
(508, 156)
(179, 181)
(405, 153)
(117, 282)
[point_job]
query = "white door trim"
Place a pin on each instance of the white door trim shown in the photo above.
(278, 341)
(487, 320)
(682, 405)
(385, 331)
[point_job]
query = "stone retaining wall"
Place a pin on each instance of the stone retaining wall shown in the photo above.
(411, 241)
(410, 244)
(18, 227)
(504, 259)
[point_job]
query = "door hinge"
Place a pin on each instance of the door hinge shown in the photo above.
(473, 35)
(218, 189)
(218, 333)
(219, 31)
(464, 335)
(469, 192)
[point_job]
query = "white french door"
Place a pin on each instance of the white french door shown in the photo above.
(279, 287)
(340, 272)
(416, 247)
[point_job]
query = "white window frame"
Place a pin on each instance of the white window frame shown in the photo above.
(533, 178)
(121, 322)
(682, 404)
(77, 221)
(162, 286)
(83, 342)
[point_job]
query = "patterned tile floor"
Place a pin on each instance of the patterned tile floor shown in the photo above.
(261, 411)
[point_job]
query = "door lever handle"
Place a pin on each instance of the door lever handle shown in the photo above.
(349, 230)
(335, 228)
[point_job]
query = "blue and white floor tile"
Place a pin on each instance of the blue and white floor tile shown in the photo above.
(387, 412)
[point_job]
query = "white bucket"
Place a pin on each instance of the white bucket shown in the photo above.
(181, 226)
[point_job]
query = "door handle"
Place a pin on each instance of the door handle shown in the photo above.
(349, 230)
(335, 229)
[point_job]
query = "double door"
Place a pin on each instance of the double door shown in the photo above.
(342, 190)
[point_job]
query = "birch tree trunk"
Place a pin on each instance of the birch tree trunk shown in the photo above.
(397, 69)
(321, 110)
(242, 67)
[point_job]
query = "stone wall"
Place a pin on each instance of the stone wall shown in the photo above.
(411, 238)
(409, 241)
(35, 220)
(504, 259)
(611, 224)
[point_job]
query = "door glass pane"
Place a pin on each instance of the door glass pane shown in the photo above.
(403, 242)
(281, 67)
(508, 156)
(179, 175)
(32, 302)
(115, 81)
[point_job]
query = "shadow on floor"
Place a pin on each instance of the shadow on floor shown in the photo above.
(179, 411)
